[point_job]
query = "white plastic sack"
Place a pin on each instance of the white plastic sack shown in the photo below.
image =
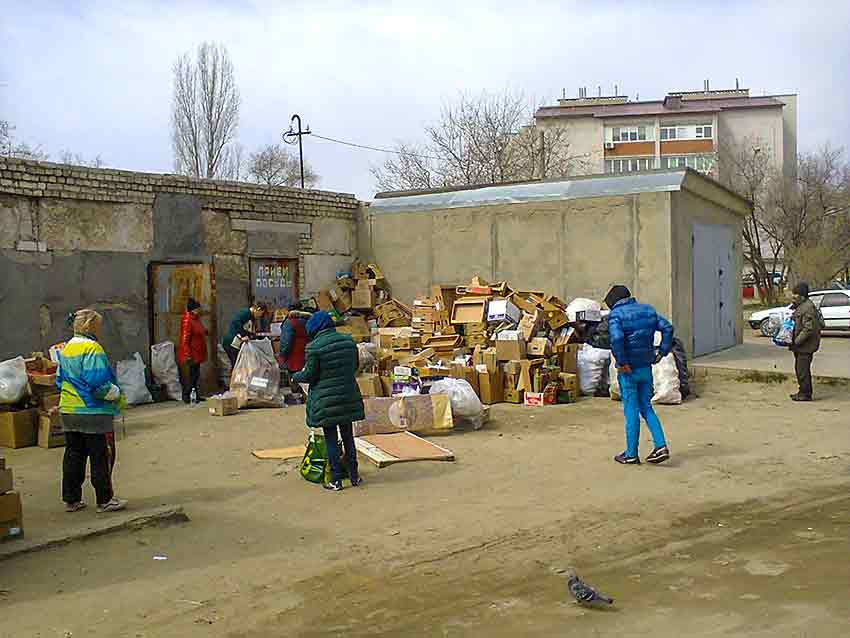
(131, 380)
(591, 364)
(614, 381)
(13, 380)
(466, 406)
(584, 310)
(665, 381)
(164, 369)
(225, 369)
(256, 376)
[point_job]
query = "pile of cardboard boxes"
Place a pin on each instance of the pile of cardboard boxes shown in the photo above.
(11, 512)
(510, 345)
(35, 419)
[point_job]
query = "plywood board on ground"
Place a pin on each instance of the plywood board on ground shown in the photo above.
(404, 447)
(280, 453)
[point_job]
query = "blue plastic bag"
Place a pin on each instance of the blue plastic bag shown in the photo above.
(785, 335)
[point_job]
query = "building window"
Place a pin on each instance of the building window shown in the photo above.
(704, 132)
(701, 163)
(629, 164)
(630, 133)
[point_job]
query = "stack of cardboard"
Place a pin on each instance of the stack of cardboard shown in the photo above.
(11, 512)
(508, 344)
(45, 397)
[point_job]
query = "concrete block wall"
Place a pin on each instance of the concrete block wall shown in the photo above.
(73, 236)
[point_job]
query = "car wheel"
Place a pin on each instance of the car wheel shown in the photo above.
(765, 328)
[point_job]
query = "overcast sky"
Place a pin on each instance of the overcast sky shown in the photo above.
(95, 77)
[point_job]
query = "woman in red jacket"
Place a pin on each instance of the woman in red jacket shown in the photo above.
(193, 348)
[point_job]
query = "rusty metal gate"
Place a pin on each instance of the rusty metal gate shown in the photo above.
(171, 285)
(275, 282)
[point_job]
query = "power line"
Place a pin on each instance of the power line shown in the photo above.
(374, 148)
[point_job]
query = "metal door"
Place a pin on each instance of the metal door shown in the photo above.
(713, 289)
(275, 282)
(171, 286)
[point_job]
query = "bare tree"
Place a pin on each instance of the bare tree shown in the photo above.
(274, 165)
(812, 213)
(77, 159)
(21, 150)
(205, 114)
(798, 226)
(479, 139)
(745, 166)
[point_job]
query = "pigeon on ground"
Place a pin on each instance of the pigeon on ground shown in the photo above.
(584, 593)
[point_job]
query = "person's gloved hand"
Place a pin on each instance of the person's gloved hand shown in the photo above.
(114, 393)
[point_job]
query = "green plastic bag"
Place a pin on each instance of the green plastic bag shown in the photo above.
(315, 466)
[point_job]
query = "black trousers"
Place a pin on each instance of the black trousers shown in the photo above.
(232, 354)
(99, 450)
(191, 380)
(332, 441)
(803, 368)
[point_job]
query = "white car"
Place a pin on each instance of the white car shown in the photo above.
(834, 305)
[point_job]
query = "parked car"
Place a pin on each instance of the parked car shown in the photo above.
(834, 305)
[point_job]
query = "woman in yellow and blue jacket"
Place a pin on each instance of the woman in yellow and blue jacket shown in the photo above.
(90, 399)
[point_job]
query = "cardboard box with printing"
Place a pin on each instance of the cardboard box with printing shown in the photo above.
(540, 347)
(503, 310)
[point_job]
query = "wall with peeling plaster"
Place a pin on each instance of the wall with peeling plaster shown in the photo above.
(73, 237)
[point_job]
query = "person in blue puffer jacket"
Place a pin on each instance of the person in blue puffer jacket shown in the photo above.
(632, 328)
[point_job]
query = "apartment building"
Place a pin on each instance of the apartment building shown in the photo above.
(613, 134)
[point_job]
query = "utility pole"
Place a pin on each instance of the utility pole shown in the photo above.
(291, 135)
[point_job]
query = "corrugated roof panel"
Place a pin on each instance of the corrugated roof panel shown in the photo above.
(658, 181)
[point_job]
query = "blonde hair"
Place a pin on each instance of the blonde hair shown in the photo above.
(87, 322)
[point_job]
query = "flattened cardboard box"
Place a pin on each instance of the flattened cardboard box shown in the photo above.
(419, 413)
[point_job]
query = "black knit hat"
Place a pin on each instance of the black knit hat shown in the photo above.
(192, 304)
(802, 289)
(617, 293)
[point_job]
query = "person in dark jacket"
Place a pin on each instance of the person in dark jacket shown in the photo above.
(806, 340)
(631, 329)
(193, 349)
(293, 338)
(242, 329)
(333, 401)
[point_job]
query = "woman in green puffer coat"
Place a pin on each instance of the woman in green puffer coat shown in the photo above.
(334, 401)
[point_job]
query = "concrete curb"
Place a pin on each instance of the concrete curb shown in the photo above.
(110, 523)
(698, 371)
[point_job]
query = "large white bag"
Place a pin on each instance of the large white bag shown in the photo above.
(466, 407)
(164, 369)
(13, 380)
(256, 376)
(591, 363)
(131, 380)
(665, 381)
(614, 381)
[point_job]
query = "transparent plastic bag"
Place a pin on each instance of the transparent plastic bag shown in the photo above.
(366, 357)
(256, 376)
(614, 381)
(164, 369)
(466, 406)
(131, 379)
(13, 380)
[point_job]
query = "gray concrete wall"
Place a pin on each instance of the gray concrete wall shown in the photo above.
(72, 237)
(688, 208)
(575, 248)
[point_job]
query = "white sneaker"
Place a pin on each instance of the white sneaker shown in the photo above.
(115, 505)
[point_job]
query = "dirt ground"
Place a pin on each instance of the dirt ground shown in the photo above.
(743, 533)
